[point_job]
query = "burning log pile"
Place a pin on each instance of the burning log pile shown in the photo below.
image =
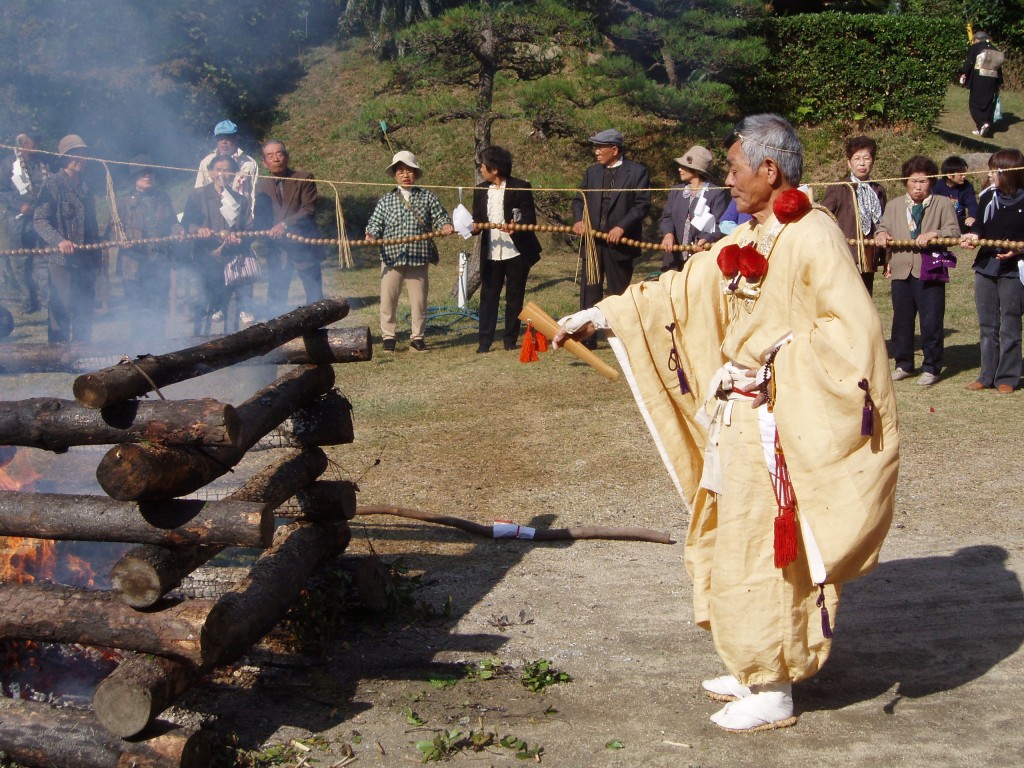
(161, 451)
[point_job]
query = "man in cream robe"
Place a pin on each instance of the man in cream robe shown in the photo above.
(771, 626)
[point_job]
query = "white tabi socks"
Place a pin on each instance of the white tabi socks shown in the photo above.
(767, 706)
(725, 688)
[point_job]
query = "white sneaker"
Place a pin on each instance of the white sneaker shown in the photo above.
(217, 316)
(244, 318)
(725, 688)
(927, 379)
(768, 706)
(899, 374)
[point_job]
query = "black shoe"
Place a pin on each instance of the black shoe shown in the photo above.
(510, 346)
(482, 349)
(389, 345)
(418, 344)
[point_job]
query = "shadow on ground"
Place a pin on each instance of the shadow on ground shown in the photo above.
(921, 626)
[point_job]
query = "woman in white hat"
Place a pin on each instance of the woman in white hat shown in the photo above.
(693, 209)
(405, 212)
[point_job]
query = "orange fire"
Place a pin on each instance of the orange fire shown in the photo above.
(16, 470)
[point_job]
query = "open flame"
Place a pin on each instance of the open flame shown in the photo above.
(59, 674)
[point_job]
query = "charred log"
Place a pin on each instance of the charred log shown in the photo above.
(322, 346)
(204, 633)
(137, 377)
(168, 523)
(328, 421)
(37, 734)
(323, 500)
(144, 574)
(135, 693)
(54, 425)
(133, 472)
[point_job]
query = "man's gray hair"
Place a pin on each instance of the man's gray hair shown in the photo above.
(771, 136)
(274, 141)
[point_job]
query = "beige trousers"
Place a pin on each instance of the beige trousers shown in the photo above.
(416, 282)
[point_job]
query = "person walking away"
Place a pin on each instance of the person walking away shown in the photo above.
(982, 74)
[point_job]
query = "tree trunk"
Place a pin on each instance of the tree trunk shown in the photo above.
(54, 425)
(144, 574)
(167, 523)
(328, 421)
(141, 472)
(324, 345)
(59, 614)
(128, 380)
(40, 735)
(247, 613)
(669, 63)
(135, 693)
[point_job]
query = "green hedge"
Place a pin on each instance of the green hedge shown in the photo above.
(838, 67)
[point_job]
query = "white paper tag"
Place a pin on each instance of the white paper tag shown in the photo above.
(503, 530)
(229, 208)
(462, 220)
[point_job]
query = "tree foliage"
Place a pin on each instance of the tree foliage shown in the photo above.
(683, 60)
(128, 73)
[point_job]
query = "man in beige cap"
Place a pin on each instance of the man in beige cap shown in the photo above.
(693, 208)
(65, 217)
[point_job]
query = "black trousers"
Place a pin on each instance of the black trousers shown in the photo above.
(918, 298)
(615, 272)
(511, 273)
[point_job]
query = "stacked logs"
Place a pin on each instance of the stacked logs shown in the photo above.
(163, 450)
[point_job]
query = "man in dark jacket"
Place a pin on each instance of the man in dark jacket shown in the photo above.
(65, 218)
(286, 204)
(22, 176)
(617, 200)
(505, 256)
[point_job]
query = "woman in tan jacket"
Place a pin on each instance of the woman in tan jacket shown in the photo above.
(921, 217)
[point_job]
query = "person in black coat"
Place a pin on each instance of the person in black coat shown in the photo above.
(505, 256)
(982, 74)
(617, 200)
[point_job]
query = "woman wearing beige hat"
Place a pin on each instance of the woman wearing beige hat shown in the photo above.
(693, 209)
(404, 212)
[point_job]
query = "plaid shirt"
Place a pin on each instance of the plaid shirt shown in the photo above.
(66, 210)
(392, 219)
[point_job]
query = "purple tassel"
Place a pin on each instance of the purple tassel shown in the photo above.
(867, 416)
(826, 629)
(675, 365)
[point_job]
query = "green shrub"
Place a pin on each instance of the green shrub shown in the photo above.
(829, 67)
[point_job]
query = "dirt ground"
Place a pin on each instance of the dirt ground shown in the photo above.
(926, 666)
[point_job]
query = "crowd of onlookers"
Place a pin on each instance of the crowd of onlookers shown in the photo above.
(52, 205)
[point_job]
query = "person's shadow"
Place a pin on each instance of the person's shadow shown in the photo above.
(923, 625)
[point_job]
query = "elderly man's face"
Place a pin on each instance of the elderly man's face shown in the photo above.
(750, 188)
(607, 154)
(276, 159)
